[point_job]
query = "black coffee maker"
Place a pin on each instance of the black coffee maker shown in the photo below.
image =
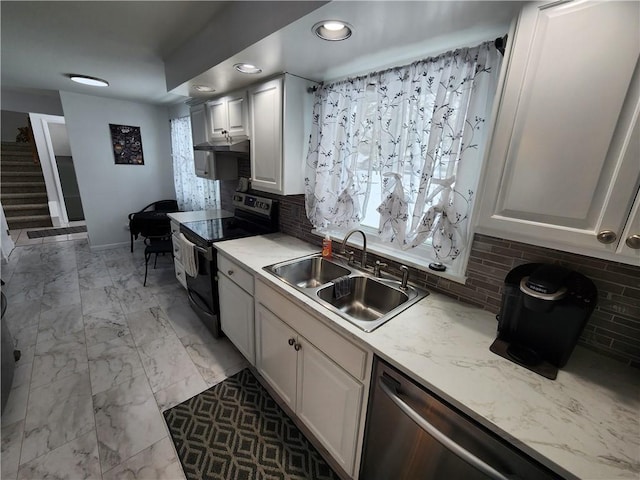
(544, 309)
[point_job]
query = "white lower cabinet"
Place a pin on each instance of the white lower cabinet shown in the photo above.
(235, 291)
(328, 402)
(276, 358)
(321, 393)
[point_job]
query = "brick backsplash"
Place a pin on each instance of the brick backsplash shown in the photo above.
(614, 327)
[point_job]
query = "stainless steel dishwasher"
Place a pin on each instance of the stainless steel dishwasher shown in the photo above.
(411, 434)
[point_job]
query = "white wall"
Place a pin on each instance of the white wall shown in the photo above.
(20, 101)
(59, 139)
(10, 122)
(179, 110)
(110, 192)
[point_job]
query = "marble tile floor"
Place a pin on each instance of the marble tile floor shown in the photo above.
(101, 358)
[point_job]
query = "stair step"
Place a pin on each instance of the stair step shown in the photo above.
(13, 166)
(28, 197)
(22, 187)
(16, 147)
(29, 221)
(32, 209)
(19, 161)
(21, 176)
(24, 206)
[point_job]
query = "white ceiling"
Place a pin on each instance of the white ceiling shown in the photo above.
(137, 46)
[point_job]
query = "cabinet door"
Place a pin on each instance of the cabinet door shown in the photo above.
(329, 403)
(236, 316)
(218, 118)
(558, 172)
(237, 117)
(266, 136)
(275, 354)
(198, 124)
(630, 240)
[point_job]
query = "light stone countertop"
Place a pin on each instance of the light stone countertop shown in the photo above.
(183, 217)
(586, 423)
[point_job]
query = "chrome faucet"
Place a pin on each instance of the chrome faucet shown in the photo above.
(363, 261)
(405, 276)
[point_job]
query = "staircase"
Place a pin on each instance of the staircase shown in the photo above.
(22, 189)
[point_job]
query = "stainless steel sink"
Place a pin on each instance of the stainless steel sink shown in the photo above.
(309, 272)
(360, 297)
(367, 299)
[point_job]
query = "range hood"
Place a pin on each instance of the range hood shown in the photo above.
(239, 146)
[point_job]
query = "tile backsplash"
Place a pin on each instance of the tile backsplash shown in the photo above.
(614, 327)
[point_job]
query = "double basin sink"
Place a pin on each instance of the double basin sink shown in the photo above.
(356, 295)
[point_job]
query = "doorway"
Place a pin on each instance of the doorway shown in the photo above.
(52, 142)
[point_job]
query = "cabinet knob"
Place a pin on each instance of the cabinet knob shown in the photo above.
(292, 341)
(297, 347)
(633, 241)
(229, 272)
(607, 236)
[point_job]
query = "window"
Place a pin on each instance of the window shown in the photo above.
(192, 192)
(399, 152)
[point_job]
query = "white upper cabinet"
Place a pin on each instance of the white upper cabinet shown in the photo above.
(198, 124)
(228, 118)
(564, 163)
(280, 121)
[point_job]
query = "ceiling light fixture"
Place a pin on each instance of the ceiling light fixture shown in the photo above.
(247, 68)
(204, 88)
(86, 80)
(332, 30)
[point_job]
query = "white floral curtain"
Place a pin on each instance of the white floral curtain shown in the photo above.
(422, 129)
(192, 192)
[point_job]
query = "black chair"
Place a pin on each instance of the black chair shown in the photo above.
(156, 245)
(154, 212)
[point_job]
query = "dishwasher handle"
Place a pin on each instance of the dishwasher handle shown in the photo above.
(445, 441)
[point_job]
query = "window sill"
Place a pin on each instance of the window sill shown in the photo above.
(405, 258)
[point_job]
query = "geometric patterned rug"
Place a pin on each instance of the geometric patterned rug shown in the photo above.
(51, 232)
(236, 431)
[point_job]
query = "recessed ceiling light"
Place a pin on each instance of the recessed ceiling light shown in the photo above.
(204, 88)
(332, 30)
(86, 80)
(247, 68)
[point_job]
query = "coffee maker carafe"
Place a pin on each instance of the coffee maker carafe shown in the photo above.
(544, 309)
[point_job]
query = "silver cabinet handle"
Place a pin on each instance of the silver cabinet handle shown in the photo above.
(445, 441)
(633, 241)
(607, 236)
(292, 341)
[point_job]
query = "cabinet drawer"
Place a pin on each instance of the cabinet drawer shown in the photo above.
(350, 357)
(180, 273)
(177, 247)
(236, 273)
(175, 228)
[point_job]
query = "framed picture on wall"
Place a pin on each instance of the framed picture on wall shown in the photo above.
(127, 144)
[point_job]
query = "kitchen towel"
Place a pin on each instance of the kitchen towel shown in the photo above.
(189, 259)
(341, 286)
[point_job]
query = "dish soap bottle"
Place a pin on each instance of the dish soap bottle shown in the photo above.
(326, 246)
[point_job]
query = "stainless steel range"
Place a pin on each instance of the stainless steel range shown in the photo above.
(253, 215)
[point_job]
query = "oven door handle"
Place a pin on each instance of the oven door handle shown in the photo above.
(444, 440)
(204, 251)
